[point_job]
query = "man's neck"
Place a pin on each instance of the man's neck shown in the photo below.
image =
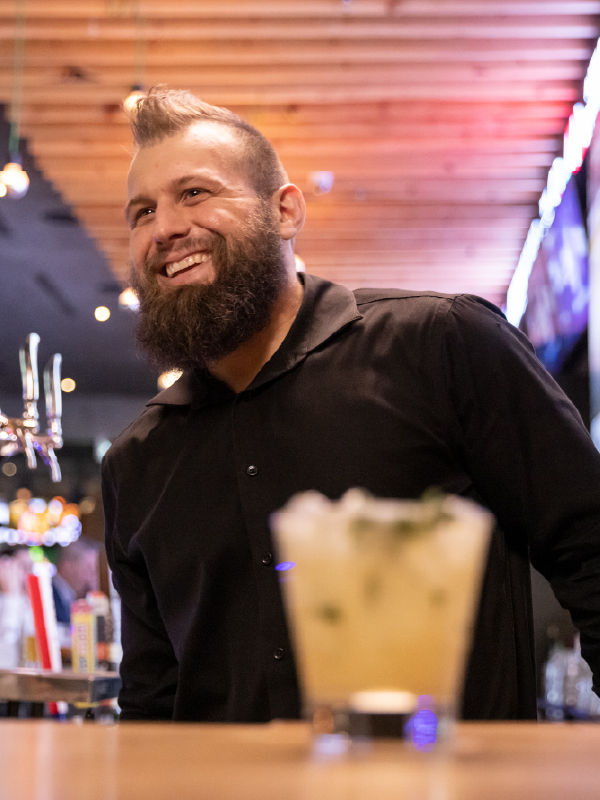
(239, 368)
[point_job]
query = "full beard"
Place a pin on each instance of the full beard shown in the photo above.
(189, 327)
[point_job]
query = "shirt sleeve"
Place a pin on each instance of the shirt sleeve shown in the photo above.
(530, 456)
(149, 669)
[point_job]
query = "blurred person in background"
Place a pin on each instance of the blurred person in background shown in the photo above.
(77, 573)
(15, 608)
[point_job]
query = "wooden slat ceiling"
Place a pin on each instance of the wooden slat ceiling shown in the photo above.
(438, 118)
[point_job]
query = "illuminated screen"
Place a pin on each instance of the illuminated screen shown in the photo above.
(558, 289)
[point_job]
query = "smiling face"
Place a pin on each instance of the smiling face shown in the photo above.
(185, 192)
(207, 254)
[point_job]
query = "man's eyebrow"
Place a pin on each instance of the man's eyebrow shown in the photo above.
(138, 200)
(192, 176)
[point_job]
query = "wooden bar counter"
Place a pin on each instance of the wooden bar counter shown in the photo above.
(44, 760)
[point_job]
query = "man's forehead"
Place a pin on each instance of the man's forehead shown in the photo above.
(207, 138)
(203, 145)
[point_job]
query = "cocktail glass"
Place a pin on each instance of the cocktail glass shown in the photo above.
(381, 596)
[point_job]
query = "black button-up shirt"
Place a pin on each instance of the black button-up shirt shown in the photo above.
(392, 391)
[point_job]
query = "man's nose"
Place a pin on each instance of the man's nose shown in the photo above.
(169, 224)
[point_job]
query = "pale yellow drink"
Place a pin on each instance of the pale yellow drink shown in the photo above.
(382, 594)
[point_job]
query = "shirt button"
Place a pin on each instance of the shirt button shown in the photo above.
(252, 470)
(267, 559)
(278, 653)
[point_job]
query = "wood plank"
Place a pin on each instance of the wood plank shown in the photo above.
(491, 75)
(440, 136)
(97, 142)
(298, 8)
(370, 165)
(72, 117)
(93, 53)
(382, 115)
(565, 91)
(561, 27)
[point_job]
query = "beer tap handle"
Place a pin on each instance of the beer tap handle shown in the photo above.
(26, 440)
(29, 374)
(53, 398)
(52, 461)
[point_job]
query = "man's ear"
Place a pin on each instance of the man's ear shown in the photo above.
(291, 210)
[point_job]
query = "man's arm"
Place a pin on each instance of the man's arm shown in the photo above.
(532, 460)
(149, 669)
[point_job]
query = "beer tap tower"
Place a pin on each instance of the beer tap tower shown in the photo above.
(22, 435)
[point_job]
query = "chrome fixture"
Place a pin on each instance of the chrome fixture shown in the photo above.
(22, 435)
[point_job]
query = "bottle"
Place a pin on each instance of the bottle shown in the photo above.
(83, 637)
(578, 684)
(100, 606)
(554, 682)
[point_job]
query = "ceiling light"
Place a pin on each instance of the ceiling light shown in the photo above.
(300, 265)
(15, 179)
(168, 378)
(102, 313)
(132, 98)
(67, 385)
(13, 176)
(137, 92)
(321, 182)
(129, 299)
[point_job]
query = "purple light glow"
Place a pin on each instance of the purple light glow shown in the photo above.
(285, 565)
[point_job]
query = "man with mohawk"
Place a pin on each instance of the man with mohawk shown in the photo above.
(293, 383)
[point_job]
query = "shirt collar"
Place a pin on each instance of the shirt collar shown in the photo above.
(325, 310)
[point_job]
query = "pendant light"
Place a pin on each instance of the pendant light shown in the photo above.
(137, 87)
(13, 176)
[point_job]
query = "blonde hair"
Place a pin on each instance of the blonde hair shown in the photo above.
(164, 112)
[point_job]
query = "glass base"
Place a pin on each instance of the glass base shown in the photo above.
(425, 728)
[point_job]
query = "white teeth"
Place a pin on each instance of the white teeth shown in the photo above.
(188, 261)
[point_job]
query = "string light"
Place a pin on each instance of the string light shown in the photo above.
(102, 313)
(14, 180)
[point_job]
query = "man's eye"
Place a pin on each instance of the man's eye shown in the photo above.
(194, 192)
(143, 212)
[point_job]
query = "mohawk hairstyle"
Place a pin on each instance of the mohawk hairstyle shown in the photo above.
(164, 112)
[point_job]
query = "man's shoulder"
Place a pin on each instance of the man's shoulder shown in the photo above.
(159, 417)
(424, 298)
(378, 295)
(422, 304)
(131, 441)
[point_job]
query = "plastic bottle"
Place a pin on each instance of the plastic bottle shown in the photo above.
(555, 672)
